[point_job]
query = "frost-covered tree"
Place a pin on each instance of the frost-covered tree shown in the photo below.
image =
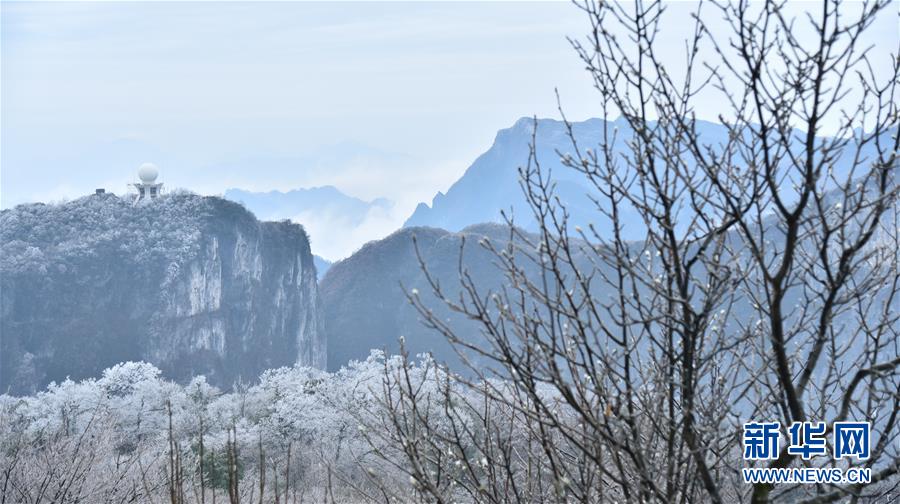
(763, 287)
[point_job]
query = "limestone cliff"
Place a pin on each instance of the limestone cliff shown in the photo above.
(194, 285)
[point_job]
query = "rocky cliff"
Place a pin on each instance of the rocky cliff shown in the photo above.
(194, 285)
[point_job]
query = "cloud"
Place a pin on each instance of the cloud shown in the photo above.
(333, 237)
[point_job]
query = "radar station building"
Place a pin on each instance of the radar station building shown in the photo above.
(148, 187)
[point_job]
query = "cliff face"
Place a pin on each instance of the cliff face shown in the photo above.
(194, 285)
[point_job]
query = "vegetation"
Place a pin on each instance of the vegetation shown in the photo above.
(131, 436)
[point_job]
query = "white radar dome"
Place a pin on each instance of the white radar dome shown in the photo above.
(148, 173)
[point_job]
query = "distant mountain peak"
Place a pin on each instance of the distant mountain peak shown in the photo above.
(491, 186)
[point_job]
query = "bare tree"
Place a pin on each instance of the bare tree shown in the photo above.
(763, 285)
(67, 467)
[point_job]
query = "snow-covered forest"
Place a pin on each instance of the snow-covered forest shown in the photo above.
(61, 236)
(131, 436)
(299, 435)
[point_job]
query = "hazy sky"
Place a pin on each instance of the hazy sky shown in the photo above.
(379, 99)
(210, 83)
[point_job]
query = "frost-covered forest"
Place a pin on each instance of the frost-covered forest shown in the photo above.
(299, 435)
(60, 237)
(131, 436)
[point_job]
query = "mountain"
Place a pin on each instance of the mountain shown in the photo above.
(365, 305)
(491, 183)
(191, 284)
(335, 221)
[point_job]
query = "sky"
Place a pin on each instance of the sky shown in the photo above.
(389, 100)
(227, 83)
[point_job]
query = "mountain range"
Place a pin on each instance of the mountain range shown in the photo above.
(364, 296)
(492, 184)
(98, 280)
